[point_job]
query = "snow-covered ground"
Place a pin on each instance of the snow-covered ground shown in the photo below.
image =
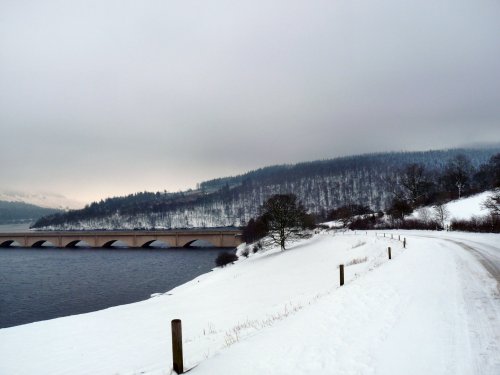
(467, 207)
(463, 208)
(432, 309)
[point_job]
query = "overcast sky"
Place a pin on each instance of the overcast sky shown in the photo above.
(101, 98)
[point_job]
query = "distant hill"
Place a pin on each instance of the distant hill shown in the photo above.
(41, 199)
(231, 201)
(19, 212)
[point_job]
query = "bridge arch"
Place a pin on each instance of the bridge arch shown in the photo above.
(10, 243)
(155, 244)
(115, 241)
(43, 243)
(199, 243)
(77, 243)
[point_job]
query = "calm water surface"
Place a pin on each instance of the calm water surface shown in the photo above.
(40, 284)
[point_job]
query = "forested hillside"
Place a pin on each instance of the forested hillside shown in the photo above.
(372, 180)
(18, 212)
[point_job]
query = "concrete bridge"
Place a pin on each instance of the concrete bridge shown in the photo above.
(173, 238)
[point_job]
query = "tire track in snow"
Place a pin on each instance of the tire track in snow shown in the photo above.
(491, 264)
(482, 309)
(483, 252)
(481, 301)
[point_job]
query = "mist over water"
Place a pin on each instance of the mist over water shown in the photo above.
(14, 228)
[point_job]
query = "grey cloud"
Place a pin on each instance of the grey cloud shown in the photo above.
(109, 97)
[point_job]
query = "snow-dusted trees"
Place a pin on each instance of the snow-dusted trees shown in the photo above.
(322, 186)
(488, 175)
(494, 165)
(492, 204)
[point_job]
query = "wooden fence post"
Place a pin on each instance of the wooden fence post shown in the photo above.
(341, 268)
(177, 346)
(399, 237)
(389, 251)
(404, 242)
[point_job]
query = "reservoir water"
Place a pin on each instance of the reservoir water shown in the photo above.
(46, 283)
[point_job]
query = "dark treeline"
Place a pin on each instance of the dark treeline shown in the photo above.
(374, 181)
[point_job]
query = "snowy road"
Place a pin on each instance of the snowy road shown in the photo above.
(485, 248)
(487, 255)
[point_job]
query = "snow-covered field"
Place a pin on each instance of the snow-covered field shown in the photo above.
(432, 309)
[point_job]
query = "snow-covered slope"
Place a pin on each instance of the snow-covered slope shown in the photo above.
(464, 208)
(467, 207)
(429, 310)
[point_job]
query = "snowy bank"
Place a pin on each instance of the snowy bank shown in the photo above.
(464, 208)
(429, 310)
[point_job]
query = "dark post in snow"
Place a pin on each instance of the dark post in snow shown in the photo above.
(399, 237)
(404, 242)
(389, 251)
(384, 235)
(177, 346)
(341, 268)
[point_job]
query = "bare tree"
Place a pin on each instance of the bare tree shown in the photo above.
(441, 214)
(415, 181)
(285, 217)
(424, 214)
(458, 173)
(492, 203)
